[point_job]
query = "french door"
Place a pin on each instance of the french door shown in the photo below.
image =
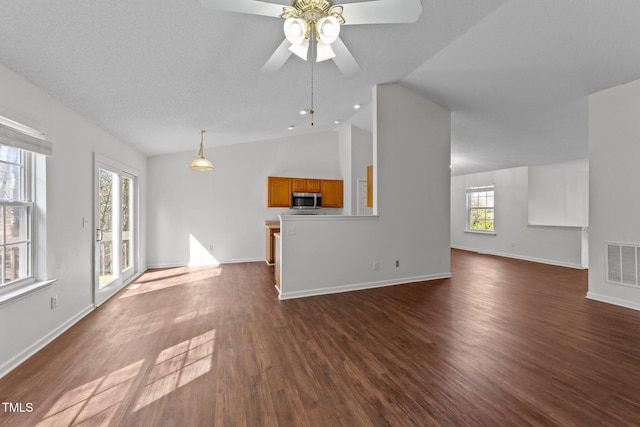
(116, 243)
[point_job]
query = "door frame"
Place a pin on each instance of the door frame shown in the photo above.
(102, 162)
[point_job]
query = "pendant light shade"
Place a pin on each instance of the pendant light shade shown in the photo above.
(201, 164)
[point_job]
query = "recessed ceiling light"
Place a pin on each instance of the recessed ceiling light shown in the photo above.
(303, 112)
(336, 122)
(291, 127)
(356, 107)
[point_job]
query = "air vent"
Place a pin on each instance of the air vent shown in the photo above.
(623, 261)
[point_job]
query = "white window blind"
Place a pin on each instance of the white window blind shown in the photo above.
(13, 134)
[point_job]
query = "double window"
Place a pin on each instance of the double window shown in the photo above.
(481, 209)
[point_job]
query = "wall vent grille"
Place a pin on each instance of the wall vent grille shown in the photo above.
(623, 263)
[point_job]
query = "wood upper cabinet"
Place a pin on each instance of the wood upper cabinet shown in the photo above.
(313, 185)
(332, 193)
(279, 191)
(305, 185)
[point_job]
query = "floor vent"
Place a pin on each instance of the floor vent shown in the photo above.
(623, 261)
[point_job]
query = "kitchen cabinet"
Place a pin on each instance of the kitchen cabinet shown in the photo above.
(272, 227)
(279, 191)
(313, 185)
(305, 185)
(332, 193)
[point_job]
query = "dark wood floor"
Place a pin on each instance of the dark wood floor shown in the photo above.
(502, 343)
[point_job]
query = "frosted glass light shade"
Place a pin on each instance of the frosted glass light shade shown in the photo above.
(295, 29)
(201, 164)
(301, 49)
(324, 52)
(328, 29)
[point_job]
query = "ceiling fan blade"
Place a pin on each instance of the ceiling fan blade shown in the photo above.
(252, 7)
(344, 59)
(382, 12)
(277, 59)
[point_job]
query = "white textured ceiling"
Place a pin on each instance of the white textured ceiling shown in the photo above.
(515, 73)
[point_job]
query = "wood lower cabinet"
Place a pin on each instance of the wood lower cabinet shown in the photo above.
(332, 193)
(279, 191)
(277, 260)
(272, 230)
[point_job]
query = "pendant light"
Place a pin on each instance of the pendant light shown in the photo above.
(201, 164)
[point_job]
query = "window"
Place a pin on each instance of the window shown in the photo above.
(480, 209)
(19, 148)
(16, 209)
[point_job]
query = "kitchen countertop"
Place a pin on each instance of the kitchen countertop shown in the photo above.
(272, 223)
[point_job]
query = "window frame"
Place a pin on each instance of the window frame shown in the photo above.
(26, 198)
(470, 191)
(34, 149)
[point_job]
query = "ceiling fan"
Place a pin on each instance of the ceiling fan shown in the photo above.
(317, 23)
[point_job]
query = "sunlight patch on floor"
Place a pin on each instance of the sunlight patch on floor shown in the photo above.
(170, 278)
(95, 402)
(177, 366)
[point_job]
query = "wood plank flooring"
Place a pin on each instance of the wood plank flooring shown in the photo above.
(502, 343)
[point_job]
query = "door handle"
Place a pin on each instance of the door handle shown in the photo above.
(99, 234)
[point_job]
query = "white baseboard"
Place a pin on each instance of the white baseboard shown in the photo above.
(361, 286)
(183, 264)
(14, 362)
(521, 257)
(611, 300)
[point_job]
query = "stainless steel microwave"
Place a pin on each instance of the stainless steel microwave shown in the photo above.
(306, 200)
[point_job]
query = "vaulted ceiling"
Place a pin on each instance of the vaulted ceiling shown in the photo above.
(516, 74)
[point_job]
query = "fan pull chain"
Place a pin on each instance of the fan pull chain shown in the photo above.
(311, 110)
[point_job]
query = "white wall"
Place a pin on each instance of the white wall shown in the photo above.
(28, 323)
(559, 194)
(411, 158)
(225, 209)
(362, 156)
(614, 205)
(356, 153)
(514, 237)
(345, 154)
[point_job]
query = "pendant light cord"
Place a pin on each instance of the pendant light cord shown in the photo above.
(201, 152)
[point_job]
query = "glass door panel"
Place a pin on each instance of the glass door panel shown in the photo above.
(115, 220)
(128, 235)
(108, 218)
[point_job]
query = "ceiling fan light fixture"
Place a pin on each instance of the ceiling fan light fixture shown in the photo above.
(301, 49)
(324, 52)
(328, 29)
(295, 30)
